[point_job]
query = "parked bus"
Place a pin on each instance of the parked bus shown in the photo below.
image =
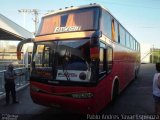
(82, 59)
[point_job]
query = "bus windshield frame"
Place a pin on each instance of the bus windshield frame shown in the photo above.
(67, 60)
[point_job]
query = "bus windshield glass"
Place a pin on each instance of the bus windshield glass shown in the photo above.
(73, 20)
(62, 60)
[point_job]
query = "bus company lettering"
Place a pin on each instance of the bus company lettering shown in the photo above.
(69, 74)
(67, 29)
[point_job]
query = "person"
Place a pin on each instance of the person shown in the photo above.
(156, 89)
(10, 77)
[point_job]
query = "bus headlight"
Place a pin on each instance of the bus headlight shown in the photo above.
(82, 95)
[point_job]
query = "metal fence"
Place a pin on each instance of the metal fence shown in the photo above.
(19, 81)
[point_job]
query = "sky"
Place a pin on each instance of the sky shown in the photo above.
(140, 17)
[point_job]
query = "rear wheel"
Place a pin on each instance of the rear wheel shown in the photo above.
(136, 74)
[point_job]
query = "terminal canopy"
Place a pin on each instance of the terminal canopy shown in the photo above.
(9, 30)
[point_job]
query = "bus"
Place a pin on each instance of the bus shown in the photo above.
(82, 59)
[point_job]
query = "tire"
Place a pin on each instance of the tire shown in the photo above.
(136, 74)
(115, 91)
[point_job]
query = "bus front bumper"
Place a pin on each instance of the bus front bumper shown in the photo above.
(82, 102)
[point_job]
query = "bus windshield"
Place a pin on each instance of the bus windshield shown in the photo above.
(63, 60)
(70, 21)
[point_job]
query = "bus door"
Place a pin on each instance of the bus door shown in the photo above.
(105, 59)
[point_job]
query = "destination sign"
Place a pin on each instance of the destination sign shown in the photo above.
(67, 29)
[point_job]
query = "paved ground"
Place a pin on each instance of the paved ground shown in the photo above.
(135, 99)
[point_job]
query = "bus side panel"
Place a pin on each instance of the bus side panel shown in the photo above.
(103, 93)
(123, 68)
(124, 65)
(120, 66)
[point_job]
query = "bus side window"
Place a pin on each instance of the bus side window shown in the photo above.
(131, 42)
(109, 59)
(114, 30)
(106, 24)
(102, 57)
(105, 59)
(127, 40)
(122, 35)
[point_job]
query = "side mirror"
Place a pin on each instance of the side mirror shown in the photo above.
(20, 45)
(97, 34)
(95, 38)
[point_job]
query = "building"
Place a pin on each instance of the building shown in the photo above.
(155, 55)
(10, 34)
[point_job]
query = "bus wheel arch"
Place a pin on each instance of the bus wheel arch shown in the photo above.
(115, 88)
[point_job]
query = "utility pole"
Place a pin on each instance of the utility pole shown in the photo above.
(158, 55)
(35, 13)
(152, 53)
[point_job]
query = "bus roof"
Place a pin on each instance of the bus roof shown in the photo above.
(73, 8)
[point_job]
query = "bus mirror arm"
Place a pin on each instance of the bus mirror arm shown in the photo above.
(95, 38)
(97, 34)
(20, 45)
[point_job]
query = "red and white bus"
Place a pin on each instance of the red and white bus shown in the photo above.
(82, 59)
